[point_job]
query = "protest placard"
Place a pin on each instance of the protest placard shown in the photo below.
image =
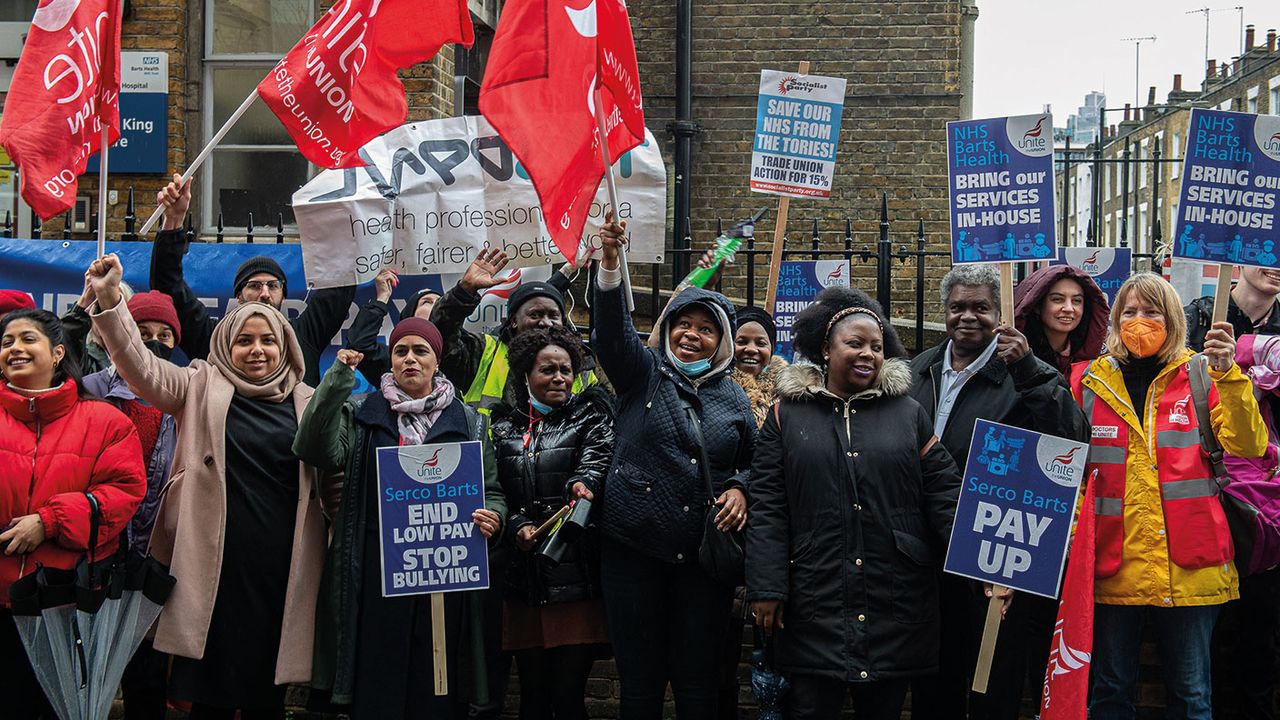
(1013, 519)
(799, 282)
(1227, 209)
(1002, 189)
(1109, 267)
(434, 193)
(426, 494)
(797, 132)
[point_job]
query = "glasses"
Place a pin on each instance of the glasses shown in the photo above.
(258, 285)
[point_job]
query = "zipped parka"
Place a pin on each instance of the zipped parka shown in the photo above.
(54, 447)
(1162, 537)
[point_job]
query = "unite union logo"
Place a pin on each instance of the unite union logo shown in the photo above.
(434, 460)
(1178, 415)
(1035, 131)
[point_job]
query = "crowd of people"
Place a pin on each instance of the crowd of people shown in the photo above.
(835, 479)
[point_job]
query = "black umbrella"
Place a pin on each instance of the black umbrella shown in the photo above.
(81, 626)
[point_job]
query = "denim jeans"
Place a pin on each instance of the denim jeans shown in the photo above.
(1183, 634)
(667, 624)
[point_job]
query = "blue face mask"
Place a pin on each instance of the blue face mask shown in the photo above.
(540, 406)
(692, 369)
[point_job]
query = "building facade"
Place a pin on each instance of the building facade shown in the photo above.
(1140, 174)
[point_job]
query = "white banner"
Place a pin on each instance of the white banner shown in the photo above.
(436, 192)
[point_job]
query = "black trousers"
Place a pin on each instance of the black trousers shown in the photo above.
(553, 681)
(667, 623)
(143, 684)
(817, 698)
(1245, 649)
(22, 697)
(1017, 669)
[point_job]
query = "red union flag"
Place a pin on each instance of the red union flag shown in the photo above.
(337, 89)
(66, 85)
(547, 59)
(1066, 679)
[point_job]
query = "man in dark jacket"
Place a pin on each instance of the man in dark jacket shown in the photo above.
(477, 364)
(258, 279)
(1245, 650)
(986, 370)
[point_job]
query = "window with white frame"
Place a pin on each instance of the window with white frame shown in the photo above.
(1225, 104)
(1175, 151)
(1140, 229)
(256, 168)
(1274, 86)
(1251, 99)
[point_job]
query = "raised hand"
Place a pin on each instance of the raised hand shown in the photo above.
(104, 277)
(612, 237)
(1220, 346)
(350, 358)
(386, 281)
(175, 198)
(482, 273)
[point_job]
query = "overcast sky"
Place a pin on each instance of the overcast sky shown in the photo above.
(1029, 53)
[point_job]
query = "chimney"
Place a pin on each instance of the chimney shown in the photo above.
(1211, 70)
(1248, 38)
(1271, 40)
(1177, 82)
(1111, 131)
(1127, 111)
(1151, 96)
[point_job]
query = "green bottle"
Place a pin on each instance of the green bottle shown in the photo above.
(726, 245)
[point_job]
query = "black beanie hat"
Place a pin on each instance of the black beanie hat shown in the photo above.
(754, 314)
(411, 307)
(255, 265)
(530, 290)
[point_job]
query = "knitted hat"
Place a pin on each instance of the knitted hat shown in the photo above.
(11, 300)
(754, 314)
(411, 307)
(424, 329)
(155, 306)
(531, 290)
(255, 265)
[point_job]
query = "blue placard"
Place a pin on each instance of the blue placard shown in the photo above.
(1109, 267)
(1228, 210)
(143, 146)
(799, 282)
(1001, 189)
(426, 494)
(52, 272)
(1013, 521)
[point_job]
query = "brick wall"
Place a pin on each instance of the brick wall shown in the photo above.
(902, 64)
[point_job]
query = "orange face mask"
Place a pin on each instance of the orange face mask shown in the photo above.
(1144, 337)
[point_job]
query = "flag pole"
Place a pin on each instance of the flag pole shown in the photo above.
(204, 154)
(102, 193)
(613, 196)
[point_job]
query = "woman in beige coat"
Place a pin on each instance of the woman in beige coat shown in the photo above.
(240, 522)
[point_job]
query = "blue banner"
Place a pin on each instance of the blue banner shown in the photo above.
(1001, 189)
(1109, 267)
(426, 494)
(1228, 211)
(1013, 521)
(52, 272)
(799, 282)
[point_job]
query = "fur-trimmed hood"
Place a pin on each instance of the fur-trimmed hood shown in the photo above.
(802, 380)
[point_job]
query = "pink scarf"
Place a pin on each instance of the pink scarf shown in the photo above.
(415, 417)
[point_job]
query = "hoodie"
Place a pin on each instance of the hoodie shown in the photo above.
(1031, 291)
(654, 498)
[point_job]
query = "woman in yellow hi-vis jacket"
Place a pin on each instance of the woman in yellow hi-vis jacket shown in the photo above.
(1164, 551)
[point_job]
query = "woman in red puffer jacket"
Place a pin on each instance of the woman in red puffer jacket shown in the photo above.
(54, 447)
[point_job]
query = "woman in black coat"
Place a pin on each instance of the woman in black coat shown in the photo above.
(667, 616)
(553, 449)
(852, 500)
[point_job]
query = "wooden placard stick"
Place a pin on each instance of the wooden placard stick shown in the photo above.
(1006, 293)
(551, 521)
(438, 656)
(990, 631)
(1222, 297)
(779, 236)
